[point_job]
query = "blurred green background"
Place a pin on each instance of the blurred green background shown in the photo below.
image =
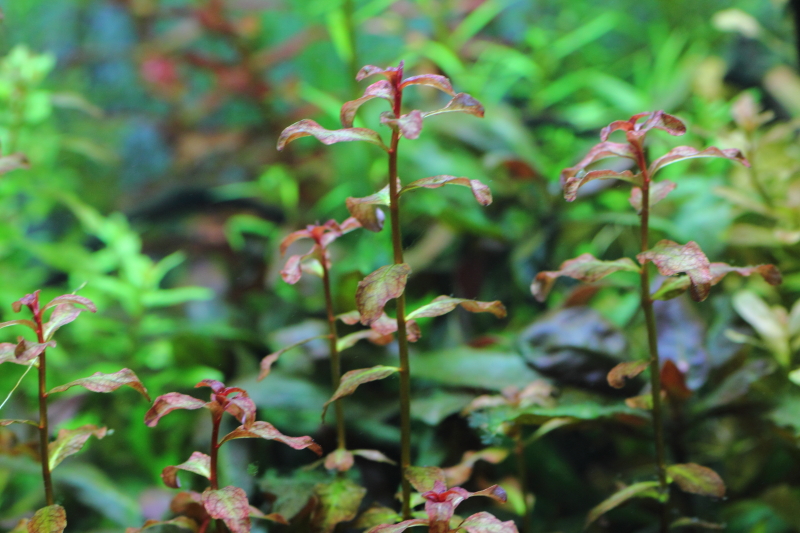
(155, 185)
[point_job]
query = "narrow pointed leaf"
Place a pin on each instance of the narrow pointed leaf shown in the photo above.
(770, 273)
(585, 268)
(99, 382)
(373, 455)
(599, 151)
(183, 522)
(338, 502)
(8, 421)
(73, 299)
(460, 473)
(462, 102)
(480, 191)
(307, 127)
(13, 162)
(349, 340)
(167, 403)
(672, 258)
(386, 283)
(25, 352)
(424, 478)
(381, 89)
(430, 80)
(644, 489)
(266, 431)
(272, 517)
(230, 505)
(695, 522)
(50, 519)
(484, 522)
(681, 153)
(21, 322)
(398, 528)
(658, 191)
(70, 441)
(63, 314)
(199, 463)
(697, 479)
(267, 362)
(444, 304)
(573, 183)
(365, 209)
(630, 369)
(352, 379)
(495, 492)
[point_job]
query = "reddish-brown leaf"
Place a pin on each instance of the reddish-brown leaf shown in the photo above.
(386, 283)
(484, 522)
(8, 421)
(340, 460)
(365, 209)
(199, 463)
(268, 361)
(461, 472)
(599, 151)
(381, 89)
(463, 103)
(480, 191)
(673, 382)
(99, 382)
(167, 403)
(672, 258)
(409, 125)
(770, 273)
(658, 191)
(64, 313)
(50, 519)
(430, 80)
(621, 372)
(230, 505)
(70, 441)
(24, 351)
(585, 268)
(680, 153)
(697, 479)
(573, 183)
(73, 299)
(294, 237)
(266, 431)
(444, 304)
(307, 127)
(352, 379)
(393, 74)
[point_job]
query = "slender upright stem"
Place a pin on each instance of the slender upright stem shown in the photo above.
(213, 479)
(336, 367)
(44, 431)
(522, 475)
(350, 27)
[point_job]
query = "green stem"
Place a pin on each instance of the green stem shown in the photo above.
(522, 475)
(350, 27)
(336, 367)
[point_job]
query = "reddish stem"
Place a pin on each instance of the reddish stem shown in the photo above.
(44, 431)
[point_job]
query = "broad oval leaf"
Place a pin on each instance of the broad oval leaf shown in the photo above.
(230, 505)
(424, 478)
(697, 479)
(169, 402)
(658, 191)
(99, 382)
(352, 379)
(50, 519)
(338, 502)
(365, 209)
(672, 258)
(199, 463)
(183, 522)
(386, 283)
(630, 369)
(644, 489)
(409, 125)
(444, 304)
(307, 127)
(585, 268)
(484, 522)
(430, 80)
(480, 191)
(381, 89)
(70, 441)
(269, 360)
(681, 153)
(463, 103)
(573, 183)
(398, 528)
(266, 431)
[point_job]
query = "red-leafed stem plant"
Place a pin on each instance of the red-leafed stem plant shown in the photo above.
(685, 266)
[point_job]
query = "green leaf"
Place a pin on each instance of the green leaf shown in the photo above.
(487, 523)
(266, 431)
(430, 80)
(463, 103)
(386, 283)
(695, 522)
(584, 268)
(658, 191)
(681, 153)
(423, 478)
(381, 89)
(621, 372)
(183, 522)
(306, 128)
(697, 479)
(199, 463)
(169, 402)
(8, 421)
(338, 502)
(399, 528)
(99, 382)
(365, 209)
(672, 258)
(644, 489)
(230, 505)
(70, 441)
(50, 519)
(481, 192)
(377, 515)
(444, 304)
(352, 379)
(409, 125)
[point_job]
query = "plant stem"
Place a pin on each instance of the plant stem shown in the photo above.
(44, 431)
(405, 371)
(336, 367)
(213, 479)
(522, 475)
(348, 9)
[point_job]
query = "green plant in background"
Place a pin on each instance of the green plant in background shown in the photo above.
(685, 266)
(65, 309)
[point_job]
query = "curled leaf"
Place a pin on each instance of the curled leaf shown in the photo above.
(658, 191)
(230, 505)
(64, 313)
(697, 479)
(73, 299)
(267, 362)
(621, 372)
(352, 379)
(462, 102)
(672, 258)
(386, 283)
(167, 403)
(393, 74)
(409, 125)
(675, 286)
(573, 183)
(371, 335)
(680, 153)
(644, 489)
(70, 441)
(635, 129)
(430, 80)
(99, 382)
(365, 209)
(599, 151)
(307, 127)
(8, 421)
(381, 89)
(673, 382)
(25, 351)
(199, 463)
(480, 191)
(266, 431)
(585, 267)
(50, 519)
(444, 304)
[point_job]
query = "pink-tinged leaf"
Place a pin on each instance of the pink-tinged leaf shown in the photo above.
(50, 519)
(72, 299)
(672, 258)
(29, 300)
(373, 455)
(365, 209)
(199, 463)
(62, 315)
(293, 269)
(23, 322)
(242, 408)
(340, 459)
(99, 382)
(463, 103)
(230, 505)
(386, 283)
(13, 162)
(572, 184)
(628, 370)
(381, 89)
(599, 151)
(307, 127)
(430, 80)
(696, 522)
(25, 352)
(183, 522)
(585, 268)
(393, 74)
(399, 528)
(480, 191)
(167, 403)
(272, 517)
(494, 492)
(266, 431)
(410, 125)
(338, 502)
(352, 379)
(444, 304)
(664, 122)
(8, 421)
(350, 340)
(268, 361)
(487, 523)
(294, 237)
(457, 474)
(770, 273)
(70, 441)
(425, 478)
(680, 153)
(697, 479)
(658, 191)
(644, 489)
(351, 318)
